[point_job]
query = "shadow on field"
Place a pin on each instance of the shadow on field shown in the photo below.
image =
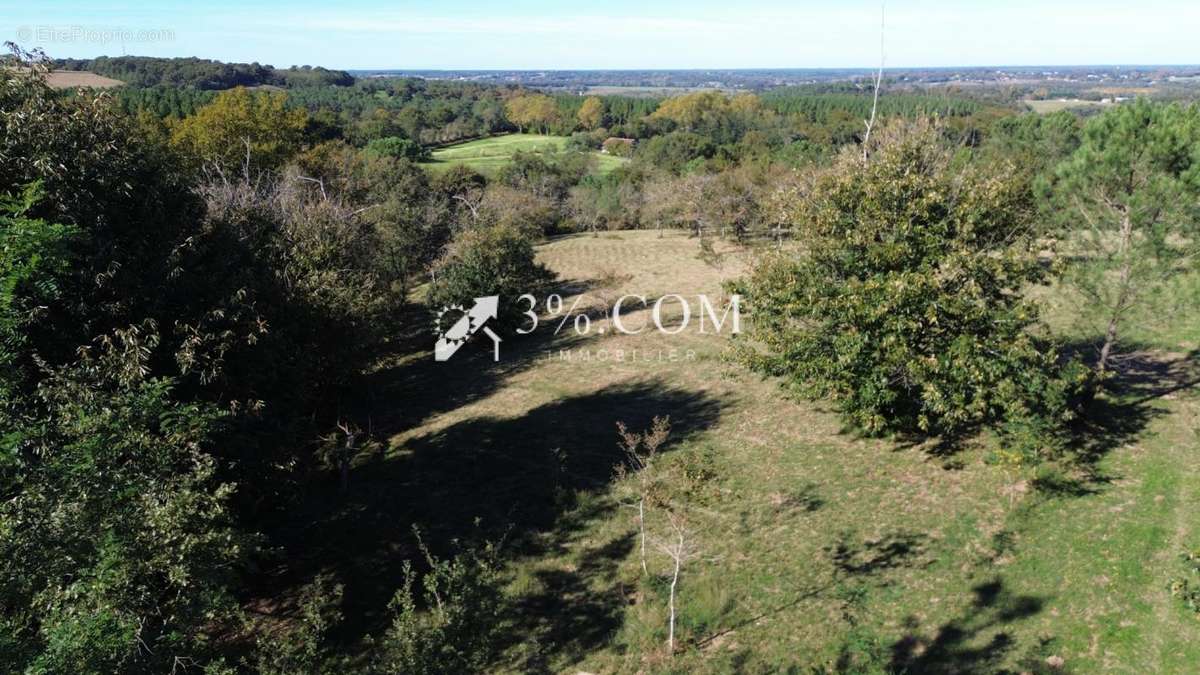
(414, 388)
(875, 556)
(531, 482)
(856, 566)
(1121, 415)
(954, 647)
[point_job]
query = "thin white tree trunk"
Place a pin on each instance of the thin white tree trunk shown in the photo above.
(674, 581)
(642, 527)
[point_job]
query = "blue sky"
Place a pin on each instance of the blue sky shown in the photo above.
(541, 34)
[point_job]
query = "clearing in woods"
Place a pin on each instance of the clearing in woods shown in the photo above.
(67, 79)
(488, 155)
(814, 546)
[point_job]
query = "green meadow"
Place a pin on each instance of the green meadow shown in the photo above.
(488, 155)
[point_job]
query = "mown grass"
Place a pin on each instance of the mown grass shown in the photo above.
(489, 155)
(816, 549)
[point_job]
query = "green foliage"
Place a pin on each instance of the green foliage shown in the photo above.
(191, 72)
(822, 107)
(116, 543)
(1128, 202)
(397, 148)
(483, 261)
(450, 623)
(306, 647)
(904, 307)
(34, 260)
(672, 152)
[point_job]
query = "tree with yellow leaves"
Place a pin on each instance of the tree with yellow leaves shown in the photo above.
(591, 113)
(242, 130)
(532, 111)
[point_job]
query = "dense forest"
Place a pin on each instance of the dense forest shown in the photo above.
(206, 275)
(146, 71)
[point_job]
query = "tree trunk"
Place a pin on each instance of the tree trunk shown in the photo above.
(674, 582)
(642, 527)
(1123, 294)
(344, 464)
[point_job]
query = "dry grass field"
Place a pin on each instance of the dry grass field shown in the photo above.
(69, 79)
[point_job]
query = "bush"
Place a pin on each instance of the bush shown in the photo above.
(305, 648)
(495, 260)
(397, 148)
(906, 307)
(458, 629)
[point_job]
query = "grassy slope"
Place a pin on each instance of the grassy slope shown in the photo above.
(487, 155)
(815, 545)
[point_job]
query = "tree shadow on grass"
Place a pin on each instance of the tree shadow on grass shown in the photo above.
(976, 642)
(566, 616)
(531, 481)
(1122, 413)
(855, 566)
(412, 386)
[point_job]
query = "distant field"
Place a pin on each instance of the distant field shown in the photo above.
(67, 79)
(1046, 107)
(647, 92)
(488, 155)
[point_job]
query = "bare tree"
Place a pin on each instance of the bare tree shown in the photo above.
(878, 84)
(341, 450)
(680, 549)
(640, 451)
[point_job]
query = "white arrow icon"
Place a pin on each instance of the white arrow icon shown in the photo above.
(484, 309)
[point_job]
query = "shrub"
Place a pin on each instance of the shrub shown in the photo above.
(457, 630)
(397, 148)
(305, 648)
(495, 260)
(906, 306)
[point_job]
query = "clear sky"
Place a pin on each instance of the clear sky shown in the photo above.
(545, 34)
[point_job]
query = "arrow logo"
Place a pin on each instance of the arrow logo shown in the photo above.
(471, 322)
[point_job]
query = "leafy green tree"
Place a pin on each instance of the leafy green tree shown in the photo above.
(905, 306)
(1131, 199)
(675, 151)
(35, 261)
(117, 549)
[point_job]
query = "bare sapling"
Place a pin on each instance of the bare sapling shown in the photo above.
(679, 547)
(878, 84)
(640, 450)
(341, 447)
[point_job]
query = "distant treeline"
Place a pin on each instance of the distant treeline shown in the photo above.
(148, 71)
(820, 107)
